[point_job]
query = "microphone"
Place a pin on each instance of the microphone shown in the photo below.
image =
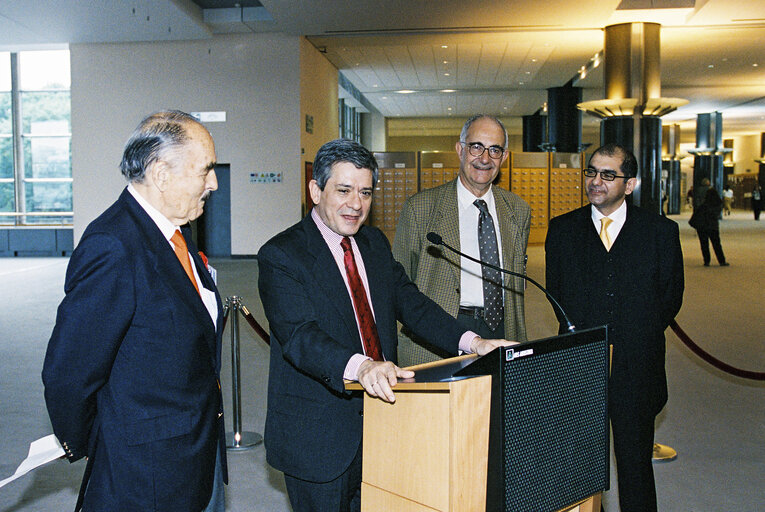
(435, 239)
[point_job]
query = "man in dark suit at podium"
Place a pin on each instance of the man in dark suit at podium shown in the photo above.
(333, 293)
(614, 263)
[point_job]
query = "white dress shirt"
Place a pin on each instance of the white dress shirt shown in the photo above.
(168, 228)
(471, 277)
(618, 218)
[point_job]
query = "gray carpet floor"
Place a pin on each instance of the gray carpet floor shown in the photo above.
(715, 421)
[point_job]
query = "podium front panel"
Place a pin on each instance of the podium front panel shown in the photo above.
(561, 458)
(549, 444)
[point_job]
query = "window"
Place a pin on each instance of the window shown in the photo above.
(35, 138)
(350, 121)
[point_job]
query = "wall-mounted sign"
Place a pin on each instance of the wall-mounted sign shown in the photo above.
(265, 177)
(210, 117)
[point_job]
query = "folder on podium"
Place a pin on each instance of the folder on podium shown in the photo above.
(522, 429)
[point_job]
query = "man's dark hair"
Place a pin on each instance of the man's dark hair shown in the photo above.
(342, 150)
(629, 165)
(156, 136)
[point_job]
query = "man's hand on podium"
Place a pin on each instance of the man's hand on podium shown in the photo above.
(482, 346)
(378, 378)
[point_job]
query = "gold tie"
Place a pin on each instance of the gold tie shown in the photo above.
(182, 251)
(604, 223)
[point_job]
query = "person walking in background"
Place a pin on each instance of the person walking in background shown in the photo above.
(700, 193)
(757, 200)
(706, 221)
(727, 199)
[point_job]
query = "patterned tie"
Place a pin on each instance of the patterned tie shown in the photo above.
(604, 223)
(182, 252)
(492, 279)
(360, 304)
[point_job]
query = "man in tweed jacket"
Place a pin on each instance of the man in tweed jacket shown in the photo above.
(455, 283)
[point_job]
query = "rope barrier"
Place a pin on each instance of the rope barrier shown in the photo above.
(238, 440)
(709, 358)
(255, 325)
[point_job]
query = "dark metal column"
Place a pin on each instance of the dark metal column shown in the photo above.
(708, 155)
(565, 119)
(670, 166)
(761, 161)
(633, 107)
(534, 132)
(642, 136)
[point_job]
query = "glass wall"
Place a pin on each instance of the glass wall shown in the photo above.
(35, 138)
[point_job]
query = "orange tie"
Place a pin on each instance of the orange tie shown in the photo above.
(183, 256)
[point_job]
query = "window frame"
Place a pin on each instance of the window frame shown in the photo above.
(20, 216)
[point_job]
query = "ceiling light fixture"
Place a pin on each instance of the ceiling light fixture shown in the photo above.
(405, 91)
(448, 90)
(591, 64)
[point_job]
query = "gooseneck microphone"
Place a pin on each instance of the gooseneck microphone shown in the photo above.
(435, 239)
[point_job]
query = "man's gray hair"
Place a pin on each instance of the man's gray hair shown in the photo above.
(469, 122)
(156, 136)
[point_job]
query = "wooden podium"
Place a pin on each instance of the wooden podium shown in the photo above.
(429, 451)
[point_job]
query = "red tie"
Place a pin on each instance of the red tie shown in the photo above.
(360, 304)
(183, 256)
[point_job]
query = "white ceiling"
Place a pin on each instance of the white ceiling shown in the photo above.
(499, 56)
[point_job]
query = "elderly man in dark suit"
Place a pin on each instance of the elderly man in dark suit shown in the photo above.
(332, 293)
(131, 371)
(612, 263)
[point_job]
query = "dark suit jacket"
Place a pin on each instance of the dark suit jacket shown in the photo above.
(313, 426)
(636, 289)
(131, 371)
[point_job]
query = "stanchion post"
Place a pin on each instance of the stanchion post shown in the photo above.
(237, 440)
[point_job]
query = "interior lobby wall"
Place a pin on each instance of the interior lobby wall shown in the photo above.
(746, 148)
(422, 143)
(253, 78)
(318, 99)
(435, 134)
(373, 131)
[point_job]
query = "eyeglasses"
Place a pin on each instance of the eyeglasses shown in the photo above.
(477, 149)
(605, 174)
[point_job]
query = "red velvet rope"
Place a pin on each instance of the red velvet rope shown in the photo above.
(250, 320)
(256, 326)
(709, 358)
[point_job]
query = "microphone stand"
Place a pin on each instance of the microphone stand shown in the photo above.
(436, 239)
